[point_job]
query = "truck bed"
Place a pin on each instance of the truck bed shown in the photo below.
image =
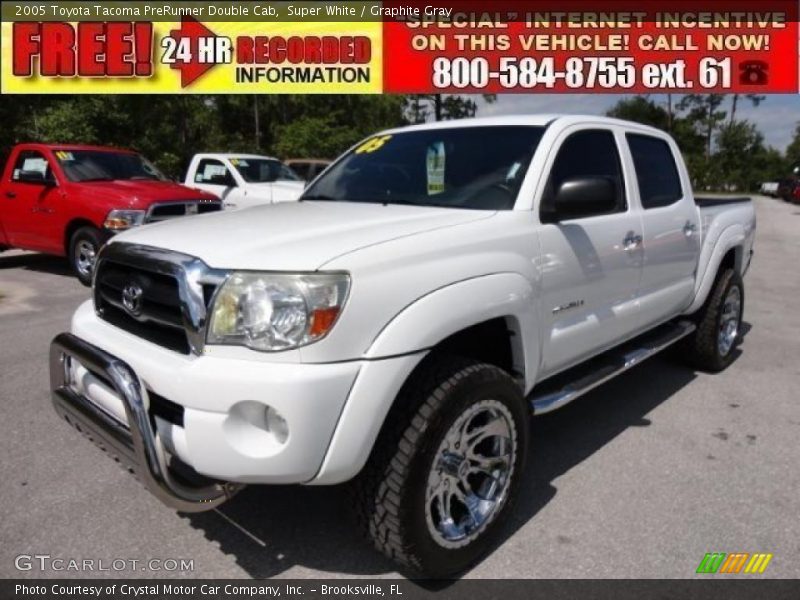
(705, 201)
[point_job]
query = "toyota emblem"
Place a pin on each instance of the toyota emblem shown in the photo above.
(132, 298)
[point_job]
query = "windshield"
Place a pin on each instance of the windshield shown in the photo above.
(98, 165)
(263, 170)
(468, 167)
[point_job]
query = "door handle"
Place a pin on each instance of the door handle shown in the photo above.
(689, 229)
(632, 241)
(11, 194)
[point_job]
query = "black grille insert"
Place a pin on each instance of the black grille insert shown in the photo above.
(170, 210)
(157, 315)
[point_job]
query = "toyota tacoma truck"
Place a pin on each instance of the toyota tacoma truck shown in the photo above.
(244, 180)
(398, 326)
(68, 200)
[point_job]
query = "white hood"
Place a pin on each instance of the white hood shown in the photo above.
(287, 191)
(300, 236)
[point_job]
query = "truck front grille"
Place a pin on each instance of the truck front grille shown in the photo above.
(156, 316)
(169, 210)
(139, 290)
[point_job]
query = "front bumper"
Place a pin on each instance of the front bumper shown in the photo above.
(203, 411)
(136, 444)
(217, 404)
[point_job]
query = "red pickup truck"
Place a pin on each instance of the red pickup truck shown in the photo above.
(68, 199)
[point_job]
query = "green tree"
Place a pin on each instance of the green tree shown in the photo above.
(442, 107)
(755, 100)
(703, 111)
(742, 160)
(169, 129)
(641, 109)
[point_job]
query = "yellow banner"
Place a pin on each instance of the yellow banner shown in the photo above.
(192, 57)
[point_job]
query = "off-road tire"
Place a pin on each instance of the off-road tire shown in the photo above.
(84, 235)
(701, 347)
(389, 493)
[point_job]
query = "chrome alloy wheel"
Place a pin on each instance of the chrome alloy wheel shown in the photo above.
(729, 321)
(471, 473)
(85, 254)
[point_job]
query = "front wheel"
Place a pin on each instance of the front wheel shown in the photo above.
(447, 467)
(83, 248)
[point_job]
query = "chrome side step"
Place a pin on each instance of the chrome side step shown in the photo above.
(577, 381)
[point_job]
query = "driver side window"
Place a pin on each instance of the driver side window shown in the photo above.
(586, 154)
(31, 162)
(213, 172)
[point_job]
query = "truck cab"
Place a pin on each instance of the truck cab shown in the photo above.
(244, 180)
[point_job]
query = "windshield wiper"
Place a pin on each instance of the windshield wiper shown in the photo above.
(96, 179)
(317, 197)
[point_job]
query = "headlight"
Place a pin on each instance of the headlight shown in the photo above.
(119, 220)
(275, 311)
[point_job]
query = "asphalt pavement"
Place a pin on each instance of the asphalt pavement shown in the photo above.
(638, 479)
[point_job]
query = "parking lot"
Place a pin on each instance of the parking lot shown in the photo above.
(640, 478)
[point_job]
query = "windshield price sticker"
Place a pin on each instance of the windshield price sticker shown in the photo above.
(435, 168)
(373, 144)
(62, 156)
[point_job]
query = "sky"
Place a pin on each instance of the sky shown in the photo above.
(776, 117)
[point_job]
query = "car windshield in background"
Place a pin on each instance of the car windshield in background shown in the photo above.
(96, 165)
(263, 170)
(467, 167)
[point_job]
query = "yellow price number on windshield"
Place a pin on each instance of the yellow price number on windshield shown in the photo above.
(373, 144)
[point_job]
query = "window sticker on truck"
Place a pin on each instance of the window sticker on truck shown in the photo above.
(435, 168)
(373, 144)
(36, 164)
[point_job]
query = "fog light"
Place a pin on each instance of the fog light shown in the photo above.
(255, 429)
(277, 425)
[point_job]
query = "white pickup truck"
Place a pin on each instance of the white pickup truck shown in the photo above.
(244, 180)
(398, 326)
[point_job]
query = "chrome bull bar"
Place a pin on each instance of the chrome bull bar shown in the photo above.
(136, 445)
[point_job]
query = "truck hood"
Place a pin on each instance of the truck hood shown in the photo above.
(300, 236)
(279, 191)
(137, 194)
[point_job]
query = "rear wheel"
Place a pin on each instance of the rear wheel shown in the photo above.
(83, 249)
(719, 324)
(446, 469)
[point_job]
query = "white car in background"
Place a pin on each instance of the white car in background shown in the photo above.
(770, 188)
(244, 180)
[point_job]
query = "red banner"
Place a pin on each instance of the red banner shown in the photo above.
(707, 46)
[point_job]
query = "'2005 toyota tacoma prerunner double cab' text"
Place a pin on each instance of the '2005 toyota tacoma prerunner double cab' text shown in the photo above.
(398, 326)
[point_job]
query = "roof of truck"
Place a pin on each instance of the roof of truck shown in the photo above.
(229, 155)
(533, 120)
(76, 147)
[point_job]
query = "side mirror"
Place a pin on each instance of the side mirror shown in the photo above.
(584, 197)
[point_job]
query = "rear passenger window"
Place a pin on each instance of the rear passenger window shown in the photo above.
(589, 153)
(656, 171)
